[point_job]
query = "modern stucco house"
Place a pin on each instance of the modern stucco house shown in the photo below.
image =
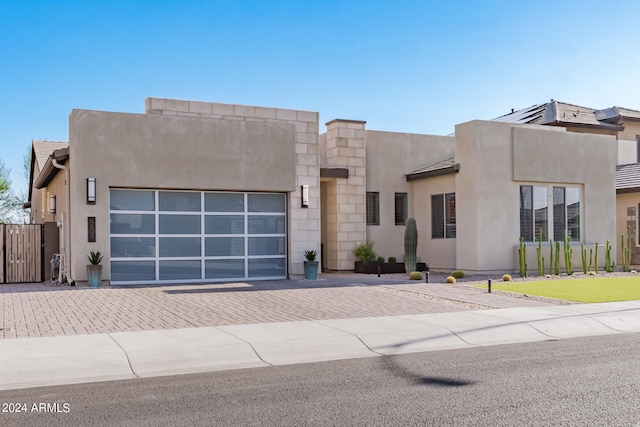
(621, 123)
(197, 192)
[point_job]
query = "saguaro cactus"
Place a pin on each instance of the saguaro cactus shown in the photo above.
(568, 254)
(608, 263)
(540, 257)
(550, 257)
(522, 258)
(410, 245)
(626, 251)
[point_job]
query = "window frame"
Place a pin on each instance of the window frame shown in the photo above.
(404, 197)
(556, 211)
(443, 217)
(373, 208)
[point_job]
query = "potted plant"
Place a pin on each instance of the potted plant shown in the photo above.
(94, 269)
(366, 258)
(310, 265)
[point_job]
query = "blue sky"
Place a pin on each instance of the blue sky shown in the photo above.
(405, 65)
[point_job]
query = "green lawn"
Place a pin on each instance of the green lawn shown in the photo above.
(587, 290)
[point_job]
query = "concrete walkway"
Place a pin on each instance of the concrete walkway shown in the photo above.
(335, 319)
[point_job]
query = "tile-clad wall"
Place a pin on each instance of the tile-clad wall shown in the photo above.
(304, 223)
(346, 198)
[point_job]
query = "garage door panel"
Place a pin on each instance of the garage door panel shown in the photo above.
(224, 246)
(266, 203)
(266, 224)
(133, 271)
(224, 202)
(132, 200)
(266, 267)
(266, 246)
(183, 201)
(133, 247)
(224, 224)
(180, 224)
(173, 247)
(193, 236)
(133, 224)
(176, 270)
(224, 269)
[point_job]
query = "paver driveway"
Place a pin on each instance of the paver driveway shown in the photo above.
(37, 310)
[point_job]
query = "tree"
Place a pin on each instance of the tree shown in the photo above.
(10, 205)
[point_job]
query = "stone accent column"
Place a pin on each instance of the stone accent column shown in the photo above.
(346, 198)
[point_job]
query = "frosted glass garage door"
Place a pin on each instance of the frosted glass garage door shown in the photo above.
(194, 236)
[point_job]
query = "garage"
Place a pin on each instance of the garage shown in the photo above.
(168, 236)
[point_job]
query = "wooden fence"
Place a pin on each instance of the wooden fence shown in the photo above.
(21, 253)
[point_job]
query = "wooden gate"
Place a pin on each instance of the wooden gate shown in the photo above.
(22, 246)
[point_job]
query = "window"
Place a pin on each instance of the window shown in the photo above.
(638, 149)
(373, 208)
(443, 216)
(534, 212)
(401, 208)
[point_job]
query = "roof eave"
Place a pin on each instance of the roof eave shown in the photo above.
(611, 127)
(433, 173)
(627, 190)
(49, 171)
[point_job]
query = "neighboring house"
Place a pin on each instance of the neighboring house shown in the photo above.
(199, 192)
(624, 125)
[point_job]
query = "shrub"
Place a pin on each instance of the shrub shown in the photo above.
(451, 279)
(364, 252)
(392, 260)
(310, 255)
(415, 275)
(95, 258)
(380, 259)
(506, 278)
(458, 274)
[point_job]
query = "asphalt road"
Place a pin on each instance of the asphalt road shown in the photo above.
(583, 381)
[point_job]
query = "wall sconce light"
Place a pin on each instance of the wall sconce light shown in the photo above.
(91, 190)
(52, 204)
(305, 195)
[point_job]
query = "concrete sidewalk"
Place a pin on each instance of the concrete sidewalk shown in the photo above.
(32, 362)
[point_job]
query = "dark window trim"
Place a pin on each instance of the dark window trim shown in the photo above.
(443, 220)
(401, 217)
(373, 218)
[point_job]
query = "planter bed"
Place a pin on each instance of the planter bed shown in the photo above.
(371, 267)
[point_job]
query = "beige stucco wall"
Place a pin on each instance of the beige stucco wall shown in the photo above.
(496, 158)
(40, 199)
(194, 145)
(439, 254)
(627, 144)
(627, 152)
(631, 130)
(390, 156)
